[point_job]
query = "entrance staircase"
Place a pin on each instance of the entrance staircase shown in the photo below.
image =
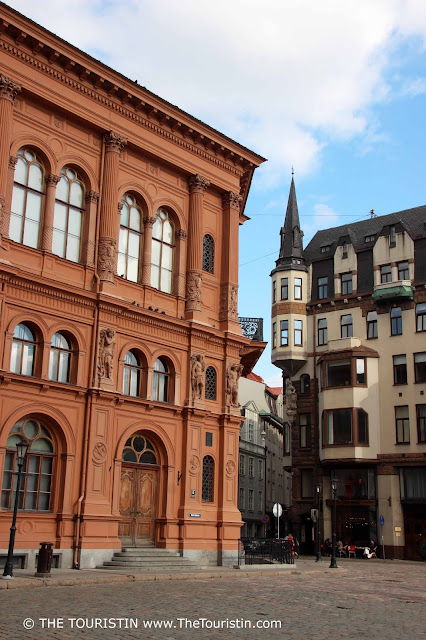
(149, 560)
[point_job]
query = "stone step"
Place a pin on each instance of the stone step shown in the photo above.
(152, 569)
(154, 566)
(155, 560)
(129, 553)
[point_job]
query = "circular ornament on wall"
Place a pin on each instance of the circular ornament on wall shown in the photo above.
(194, 464)
(230, 468)
(99, 452)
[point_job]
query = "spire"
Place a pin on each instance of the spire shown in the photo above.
(291, 236)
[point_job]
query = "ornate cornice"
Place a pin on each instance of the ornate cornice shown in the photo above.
(167, 127)
(46, 291)
(8, 88)
(232, 200)
(197, 184)
(114, 142)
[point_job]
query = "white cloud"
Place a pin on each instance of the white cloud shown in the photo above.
(285, 78)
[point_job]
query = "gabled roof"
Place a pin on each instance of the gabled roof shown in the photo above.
(413, 221)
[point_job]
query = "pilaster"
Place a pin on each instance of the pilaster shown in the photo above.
(197, 187)
(228, 313)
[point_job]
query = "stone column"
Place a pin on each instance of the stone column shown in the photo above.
(197, 186)
(8, 92)
(49, 211)
(92, 199)
(147, 250)
(229, 288)
(108, 230)
(179, 275)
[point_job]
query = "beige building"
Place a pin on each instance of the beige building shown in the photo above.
(349, 330)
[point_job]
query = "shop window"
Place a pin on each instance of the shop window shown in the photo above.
(402, 424)
(322, 332)
(400, 369)
(346, 282)
(60, 359)
(23, 351)
(210, 392)
(385, 273)
(68, 216)
(322, 284)
(421, 422)
(161, 381)
(372, 325)
(132, 375)
(346, 326)
(421, 316)
(162, 252)
(36, 484)
(27, 199)
(208, 253)
(396, 321)
(284, 288)
(420, 367)
(207, 492)
(305, 383)
(298, 288)
(140, 450)
(307, 483)
(284, 333)
(305, 429)
(130, 240)
(298, 333)
(403, 271)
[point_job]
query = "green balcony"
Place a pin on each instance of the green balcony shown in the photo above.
(393, 291)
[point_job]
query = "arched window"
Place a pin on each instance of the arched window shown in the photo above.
(28, 190)
(162, 252)
(208, 253)
(305, 383)
(160, 385)
(36, 486)
(68, 218)
(23, 351)
(60, 359)
(132, 375)
(210, 383)
(207, 493)
(138, 449)
(130, 239)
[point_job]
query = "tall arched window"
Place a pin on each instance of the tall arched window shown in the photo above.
(28, 190)
(68, 218)
(207, 493)
(130, 239)
(208, 253)
(36, 487)
(23, 351)
(210, 383)
(160, 390)
(132, 375)
(162, 252)
(60, 359)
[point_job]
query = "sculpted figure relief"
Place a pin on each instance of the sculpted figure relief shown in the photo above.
(198, 367)
(106, 353)
(291, 396)
(106, 259)
(193, 287)
(233, 375)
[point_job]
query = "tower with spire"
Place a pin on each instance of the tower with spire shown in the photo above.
(289, 294)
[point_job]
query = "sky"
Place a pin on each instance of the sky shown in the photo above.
(335, 89)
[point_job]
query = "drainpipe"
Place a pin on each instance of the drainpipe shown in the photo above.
(89, 398)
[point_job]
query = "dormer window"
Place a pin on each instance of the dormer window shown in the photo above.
(345, 250)
(326, 248)
(370, 238)
(392, 236)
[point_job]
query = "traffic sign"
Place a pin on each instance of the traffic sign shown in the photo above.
(382, 520)
(265, 519)
(314, 515)
(277, 510)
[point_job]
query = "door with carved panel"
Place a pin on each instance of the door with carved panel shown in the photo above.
(138, 492)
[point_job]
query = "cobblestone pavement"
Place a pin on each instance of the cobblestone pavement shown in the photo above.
(360, 600)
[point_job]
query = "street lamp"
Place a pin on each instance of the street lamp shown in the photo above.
(333, 563)
(21, 452)
(319, 489)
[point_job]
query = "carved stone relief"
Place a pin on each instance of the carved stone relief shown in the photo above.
(106, 353)
(193, 290)
(291, 402)
(106, 259)
(198, 367)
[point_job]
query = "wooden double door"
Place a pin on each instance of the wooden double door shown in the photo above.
(138, 499)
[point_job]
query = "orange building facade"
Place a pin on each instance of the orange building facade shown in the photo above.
(120, 346)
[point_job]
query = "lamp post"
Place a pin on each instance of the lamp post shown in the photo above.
(333, 563)
(21, 452)
(319, 489)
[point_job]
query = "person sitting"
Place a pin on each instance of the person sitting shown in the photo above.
(373, 549)
(340, 549)
(370, 552)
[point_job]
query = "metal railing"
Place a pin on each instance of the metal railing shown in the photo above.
(252, 328)
(265, 551)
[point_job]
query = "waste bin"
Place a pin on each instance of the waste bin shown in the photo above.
(44, 563)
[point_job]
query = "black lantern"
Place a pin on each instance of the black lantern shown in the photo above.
(319, 491)
(334, 484)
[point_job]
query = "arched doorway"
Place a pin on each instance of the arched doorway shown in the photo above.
(138, 491)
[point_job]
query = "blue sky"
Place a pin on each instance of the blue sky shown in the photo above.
(336, 89)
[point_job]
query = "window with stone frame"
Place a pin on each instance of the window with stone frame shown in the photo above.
(402, 424)
(372, 325)
(385, 273)
(162, 252)
(27, 199)
(346, 282)
(400, 369)
(298, 288)
(346, 326)
(132, 375)
(403, 270)
(210, 388)
(23, 350)
(322, 332)
(298, 333)
(284, 288)
(130, 239)
(68, 215)
(322, 284)
(207, 492)
(396, 321)
(420, 367)
(60, 358)
(161, 380)
(284, 333)
(208, 253)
